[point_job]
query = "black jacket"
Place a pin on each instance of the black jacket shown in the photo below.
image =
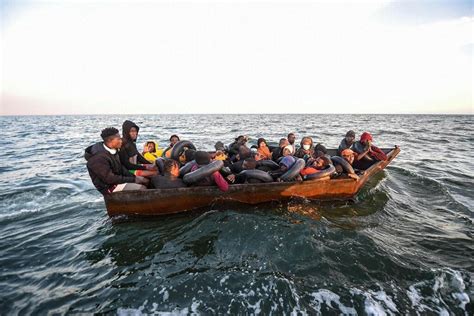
(129, 148)
(105, 169)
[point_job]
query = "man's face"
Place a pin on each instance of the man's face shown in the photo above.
(133, 133)
(258, 156)
(174, 140)
(114, 142)
(151, 147)
(349, 158)
(318, 163)
(291, 139)
(349, 139)
(284, 143)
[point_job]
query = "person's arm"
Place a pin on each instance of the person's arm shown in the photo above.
(102, 169)
(124, 160)
(220, 181)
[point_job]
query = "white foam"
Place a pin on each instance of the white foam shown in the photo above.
(327, 297)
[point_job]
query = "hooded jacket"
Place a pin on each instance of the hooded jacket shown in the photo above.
(152, 156)
(129, 148)
(105, 168)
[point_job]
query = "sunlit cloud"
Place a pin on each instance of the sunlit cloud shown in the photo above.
(231, 57)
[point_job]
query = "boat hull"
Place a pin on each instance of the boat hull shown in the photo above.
(155, 202)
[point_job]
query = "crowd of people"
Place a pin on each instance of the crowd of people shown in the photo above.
(116, 164)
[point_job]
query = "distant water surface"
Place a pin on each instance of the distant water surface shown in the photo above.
(404, 246)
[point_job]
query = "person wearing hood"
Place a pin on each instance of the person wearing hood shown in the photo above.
(367, 153)
(262, 148)
(346, 142)
(203, 158)
(306, 150)
(129, 155)
(170, 177)
(151, 151)
(173, 140)
(105, 169)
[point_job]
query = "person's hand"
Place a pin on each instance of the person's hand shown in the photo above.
(141, 180)
(145, 149)
(231, 178)
(151, 167)
(353, 176)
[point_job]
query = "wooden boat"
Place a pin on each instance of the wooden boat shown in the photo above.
(169, 201)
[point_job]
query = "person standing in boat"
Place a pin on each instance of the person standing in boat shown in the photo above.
(105, 169)
(173, 140)
(367, 153)
(347, 141)
(170, 177)
(129, 155)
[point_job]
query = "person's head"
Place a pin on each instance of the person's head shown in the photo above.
(133, 133)
(242, 139)
(261, 143)
(189, 155)
(111, 137)
(287, 150)
(321, 162)
(350, 136)
(219, 146)
(258, 156)
(171, 167)
(283, 142)
(291, 138)
(202, 157)
(249, 164)
(348, 155)
(244, 152)
(151, 146)
(365, 138)
(173, 140)
(307, 143)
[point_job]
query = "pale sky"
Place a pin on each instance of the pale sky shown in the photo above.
(107, 57)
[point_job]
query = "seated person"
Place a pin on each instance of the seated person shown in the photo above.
(129, 155)
(306, 150)
(291, 140)
(203, 158)
(235, 146)
(170, 177)
(248, 164)
(349, 156)
(367, 154)
(262, 148)
(315, 165)
(151, 151)
(285, 164)
(277, 153)
(105, 169)
(173, 140)
(346, 142)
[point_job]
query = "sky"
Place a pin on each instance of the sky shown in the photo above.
(137, 57)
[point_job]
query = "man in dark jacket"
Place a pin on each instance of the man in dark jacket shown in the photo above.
(103, 163)
(129, 155)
